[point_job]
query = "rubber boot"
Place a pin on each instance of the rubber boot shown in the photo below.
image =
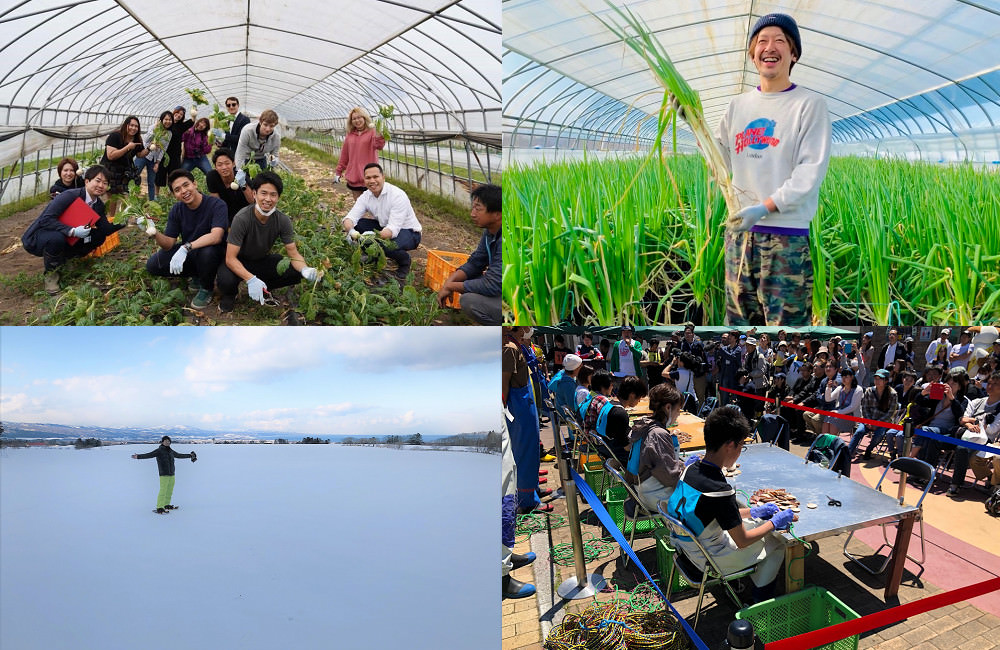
(522, 560)
(513, 588)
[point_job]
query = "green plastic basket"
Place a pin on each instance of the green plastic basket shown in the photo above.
(799, 612)
(665, 560)
(596, 476)
(614, 500)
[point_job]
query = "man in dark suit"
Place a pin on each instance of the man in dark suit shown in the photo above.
(233, 137)
(47, 237)
(890, 352)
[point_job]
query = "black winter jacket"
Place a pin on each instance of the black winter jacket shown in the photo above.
(164, 459)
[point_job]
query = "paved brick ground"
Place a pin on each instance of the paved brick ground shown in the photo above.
(525, 622)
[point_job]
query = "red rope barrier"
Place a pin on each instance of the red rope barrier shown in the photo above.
(883, 618)
(876, 423)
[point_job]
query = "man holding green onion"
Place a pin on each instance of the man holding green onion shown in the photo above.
(775, 140)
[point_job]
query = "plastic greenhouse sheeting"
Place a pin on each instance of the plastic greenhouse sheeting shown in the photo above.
(922, 75)
(95, 61)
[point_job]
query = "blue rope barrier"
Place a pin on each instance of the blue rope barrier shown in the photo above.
(923, 433)
(602, 514)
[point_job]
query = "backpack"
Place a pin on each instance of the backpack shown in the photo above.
(993, 502)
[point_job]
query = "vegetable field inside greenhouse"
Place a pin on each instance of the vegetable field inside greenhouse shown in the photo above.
(640, 239)
(116, 289)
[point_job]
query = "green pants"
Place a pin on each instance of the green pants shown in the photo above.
(166, 491)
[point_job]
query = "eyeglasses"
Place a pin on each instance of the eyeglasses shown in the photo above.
(231, 105)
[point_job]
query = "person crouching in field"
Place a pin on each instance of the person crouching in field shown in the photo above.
(165, 456)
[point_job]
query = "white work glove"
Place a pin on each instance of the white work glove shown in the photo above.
(747, 218)
(352, 236)
(177, 261)
(256, 289)
(336, 178)
(80, 231)
(309, 273)
(219, 134)
(241, 178)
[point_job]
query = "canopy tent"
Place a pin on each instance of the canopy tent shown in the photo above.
(660, 332)
(918, 79)
(94, 62)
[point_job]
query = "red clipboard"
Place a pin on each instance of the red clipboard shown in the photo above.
(78, 214)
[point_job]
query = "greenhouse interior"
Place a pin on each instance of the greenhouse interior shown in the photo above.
(622, 225)
(427, 72)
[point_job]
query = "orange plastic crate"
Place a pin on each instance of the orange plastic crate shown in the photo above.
(109, 244)
(441, 264)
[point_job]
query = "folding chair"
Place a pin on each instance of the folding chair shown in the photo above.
(616, 470)
(711, 575)
(773, 429)
(916, 468)
(833, 461)
(707, 407)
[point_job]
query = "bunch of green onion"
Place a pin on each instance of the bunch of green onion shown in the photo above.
(666, 74)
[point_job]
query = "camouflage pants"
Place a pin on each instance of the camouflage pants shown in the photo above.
(774, 285)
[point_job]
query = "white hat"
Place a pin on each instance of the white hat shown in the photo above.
(751, 341)
(945, 331)
(572, 362)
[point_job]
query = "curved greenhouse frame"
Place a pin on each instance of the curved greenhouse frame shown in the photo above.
(908, 221)
(71, 72)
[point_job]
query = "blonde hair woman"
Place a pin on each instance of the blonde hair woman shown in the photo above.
(361, 146)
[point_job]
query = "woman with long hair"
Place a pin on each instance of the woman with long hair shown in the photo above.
(361, 146)
(120, 149)
(157, 148)
(195, 147)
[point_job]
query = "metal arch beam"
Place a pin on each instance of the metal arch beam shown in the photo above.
(58, 88)
(387, 41)
(158, 39)
(440, 16)
(28, 77)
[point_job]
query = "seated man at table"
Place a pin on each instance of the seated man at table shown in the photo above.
(653, 463)
(735, 537)
(605, 418)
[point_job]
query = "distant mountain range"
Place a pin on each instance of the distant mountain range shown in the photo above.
(23, 430)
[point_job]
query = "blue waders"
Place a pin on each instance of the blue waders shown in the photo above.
(524, 437)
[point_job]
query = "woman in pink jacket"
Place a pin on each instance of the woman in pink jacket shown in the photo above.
(361, 146)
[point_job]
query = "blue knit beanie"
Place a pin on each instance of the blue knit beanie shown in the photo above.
(785, 22)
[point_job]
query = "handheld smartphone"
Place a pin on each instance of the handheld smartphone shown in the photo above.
(847, 347)
(936, 391)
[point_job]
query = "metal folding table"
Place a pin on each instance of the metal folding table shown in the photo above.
(766, 466)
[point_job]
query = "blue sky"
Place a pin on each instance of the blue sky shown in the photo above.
(313, 380)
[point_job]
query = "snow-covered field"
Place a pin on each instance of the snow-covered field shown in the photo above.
(274, 546)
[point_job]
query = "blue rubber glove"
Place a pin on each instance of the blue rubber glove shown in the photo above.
(764, 511)
(746, 218)
(241, 178)
(692, 459)
(782, 520)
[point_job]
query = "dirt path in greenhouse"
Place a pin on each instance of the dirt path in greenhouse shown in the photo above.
(21, 274)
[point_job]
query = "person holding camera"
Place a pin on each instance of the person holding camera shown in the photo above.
(979, 424)
(682, 370)
(940, 406)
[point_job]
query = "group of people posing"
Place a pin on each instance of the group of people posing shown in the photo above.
(225, 237)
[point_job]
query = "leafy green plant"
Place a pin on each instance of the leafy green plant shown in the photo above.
(197, 96)
(382, 120)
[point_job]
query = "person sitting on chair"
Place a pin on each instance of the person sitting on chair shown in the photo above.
(603, 417)
(736, 538)
(653, 462)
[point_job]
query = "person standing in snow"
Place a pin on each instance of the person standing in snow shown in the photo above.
(165, 456)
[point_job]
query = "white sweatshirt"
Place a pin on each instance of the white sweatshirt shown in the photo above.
(778, 145)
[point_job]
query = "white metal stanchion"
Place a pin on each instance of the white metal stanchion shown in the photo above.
(581, 585)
